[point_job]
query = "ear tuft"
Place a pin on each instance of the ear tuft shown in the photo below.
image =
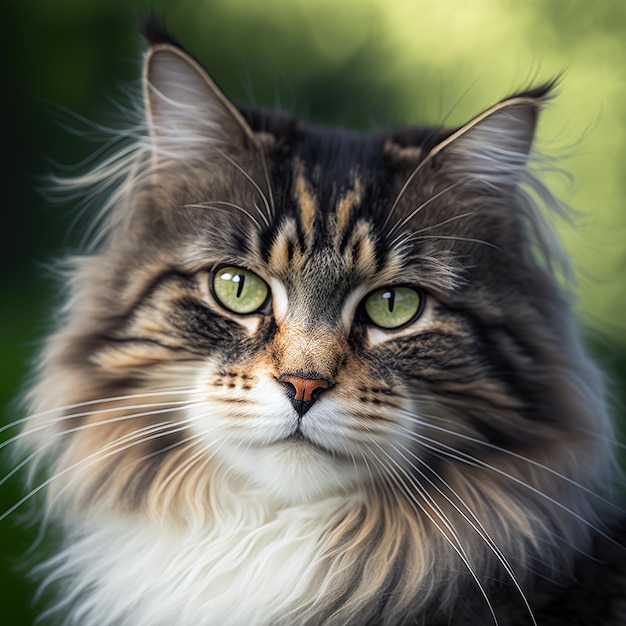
(154, 31)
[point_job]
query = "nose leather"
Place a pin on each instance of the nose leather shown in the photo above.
(303, 390)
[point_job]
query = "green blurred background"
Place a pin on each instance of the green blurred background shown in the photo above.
(363, 63)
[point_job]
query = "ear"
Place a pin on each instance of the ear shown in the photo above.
(494, 147)
(186, 113)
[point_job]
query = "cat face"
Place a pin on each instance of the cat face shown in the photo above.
(293, 375)
(315, 312)
(305, 388)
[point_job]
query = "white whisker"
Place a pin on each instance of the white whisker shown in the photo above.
(153, 436)
(403, 189)
(97, 456)
(218, 204)
(268, 182)
(204, 453)
(477, 526)
(457, 544)
(78, 405)
(454, 218)
(458, 238)
(23, 463)
(173, 406)
(429, 424)
(450, 452)
(405, 220)
(251, 180)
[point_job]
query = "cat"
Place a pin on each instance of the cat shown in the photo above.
(315, 376)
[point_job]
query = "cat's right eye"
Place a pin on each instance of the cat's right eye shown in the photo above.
(238, 290)
(393, 307)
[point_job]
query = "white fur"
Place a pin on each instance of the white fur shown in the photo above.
(252, 443)
(249, 566)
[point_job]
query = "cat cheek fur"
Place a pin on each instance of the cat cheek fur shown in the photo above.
(438, 466)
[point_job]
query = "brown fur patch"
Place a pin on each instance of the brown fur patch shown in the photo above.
(346, 204)
(132, 355)
(304, 197)
(285, 251)
(298, 349)
(360, 249)
(279, 252)
(403, 154)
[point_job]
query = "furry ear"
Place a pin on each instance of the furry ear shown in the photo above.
(186, 113)
(494, 147)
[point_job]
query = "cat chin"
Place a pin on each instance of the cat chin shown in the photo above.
(294, 471)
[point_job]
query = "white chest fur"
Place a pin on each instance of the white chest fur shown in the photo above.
(250, 566)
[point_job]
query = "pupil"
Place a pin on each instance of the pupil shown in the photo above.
(240, 279)
(390, 297)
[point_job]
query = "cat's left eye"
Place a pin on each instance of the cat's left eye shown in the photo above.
(239, 290)
(392, 307)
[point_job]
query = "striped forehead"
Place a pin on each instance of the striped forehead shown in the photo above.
(324, 256)
(326, 251)
(322, 227)
(327, 213)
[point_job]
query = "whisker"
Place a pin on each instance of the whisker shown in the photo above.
(454, 218)
(367, 465)
(69, 484)
(405, 220)
(154, 430)
(611, 440)
(79, 405)
(251, 180)
(97, 457)
(199, 460)
(511, 453)
(197, 435)
(443, 449)
(453, 238)
(186, 466)
(183, 467)
(458, 546)
(402, 191)
(173, 406)
(217, 204)
(18, 467)
(268, 182)
(478, 527)
(404, 239)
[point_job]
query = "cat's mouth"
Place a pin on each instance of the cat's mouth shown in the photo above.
(297, 435)
(298, 438)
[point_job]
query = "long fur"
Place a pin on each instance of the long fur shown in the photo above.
(159, 416)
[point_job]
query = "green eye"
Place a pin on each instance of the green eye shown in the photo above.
(392, 307)
(239, 290)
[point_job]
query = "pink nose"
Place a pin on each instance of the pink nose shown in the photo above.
(304, 386)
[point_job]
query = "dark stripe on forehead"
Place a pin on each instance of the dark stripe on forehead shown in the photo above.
(329, 180)
(330, 158)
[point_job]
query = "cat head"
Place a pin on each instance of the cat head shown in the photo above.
(312, 313)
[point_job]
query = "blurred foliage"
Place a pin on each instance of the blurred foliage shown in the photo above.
(362, 63)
